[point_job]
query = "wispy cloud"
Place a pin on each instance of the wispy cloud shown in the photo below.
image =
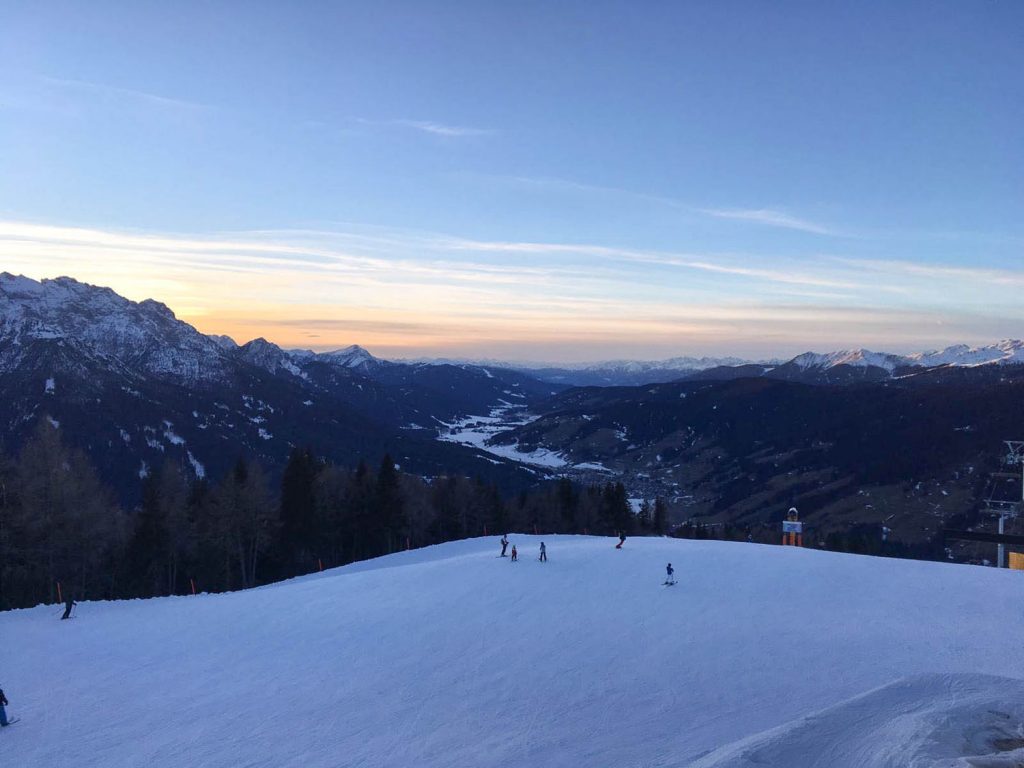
(704, 263)
(765, 216)
(944, 272)
(431, 293)
(430, 126)
(103, 90)
(771, 218)
(440, 129)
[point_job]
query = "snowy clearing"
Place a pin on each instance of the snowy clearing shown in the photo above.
(475, 431)
(451, 656)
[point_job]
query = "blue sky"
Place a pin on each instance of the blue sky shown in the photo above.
(556, 181)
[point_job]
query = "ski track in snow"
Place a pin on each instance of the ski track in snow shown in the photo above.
(449, 656)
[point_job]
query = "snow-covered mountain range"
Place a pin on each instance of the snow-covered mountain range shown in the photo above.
(1006, 352)
(146, 337)
(134, 386)
(813, 367)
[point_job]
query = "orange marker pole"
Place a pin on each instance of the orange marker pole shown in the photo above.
(60, 598)
(320, 563)
(193, 582)
(407, 544)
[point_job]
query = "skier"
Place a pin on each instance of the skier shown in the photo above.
(670, 575)
(515, 555)
(3, 712)
(504, 544)
(68, 605)
(622, 540)
(543, 553)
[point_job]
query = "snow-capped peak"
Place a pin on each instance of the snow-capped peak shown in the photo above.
(1004, 352)
(270, 357)
(352, 356)
(1007, 351)
(857, 358)
(143, 336)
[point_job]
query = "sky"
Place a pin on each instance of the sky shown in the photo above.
(544, 181)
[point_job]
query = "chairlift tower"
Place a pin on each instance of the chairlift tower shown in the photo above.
(1008, 508)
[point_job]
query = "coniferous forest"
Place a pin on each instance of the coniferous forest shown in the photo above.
(62, 532)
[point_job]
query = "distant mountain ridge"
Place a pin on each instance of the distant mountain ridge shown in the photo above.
(837, 367)
(134, 386)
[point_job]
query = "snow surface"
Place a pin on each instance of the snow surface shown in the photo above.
(935, 720)
(197, 466)
(449, 656)
(476, 431)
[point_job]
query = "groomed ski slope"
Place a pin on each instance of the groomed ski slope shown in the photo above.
(450, 656)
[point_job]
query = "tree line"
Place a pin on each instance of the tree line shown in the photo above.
(59, 524)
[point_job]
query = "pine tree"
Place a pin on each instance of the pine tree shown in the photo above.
(298, 510)
(67, 518)
(645, 515)
(660, 518)
(389, 506)
(617, 513)
(246, 520)
(568, 501)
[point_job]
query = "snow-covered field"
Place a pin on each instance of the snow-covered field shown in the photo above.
(450, 656)
(475, 431)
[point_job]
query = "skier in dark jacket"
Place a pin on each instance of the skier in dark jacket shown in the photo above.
(504, 544)
(515, 555)
(670, 574)
(3, 712)
(543, 553)
(68, 605)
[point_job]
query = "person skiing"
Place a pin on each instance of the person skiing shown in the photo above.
(68, 605)
(622, 540)
(543, 553)
(504, 544)
(3, 712)
(515, 555)
(670, 574)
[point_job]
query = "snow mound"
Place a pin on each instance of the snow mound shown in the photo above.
(940, 721)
